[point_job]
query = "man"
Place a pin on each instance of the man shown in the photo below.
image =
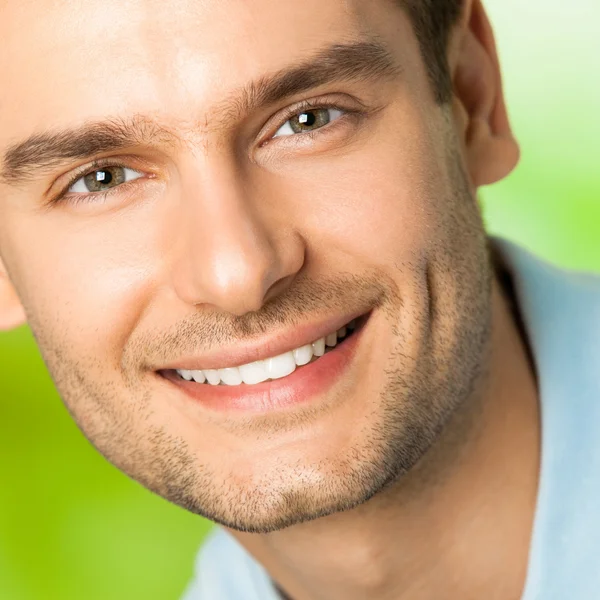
(245, 235)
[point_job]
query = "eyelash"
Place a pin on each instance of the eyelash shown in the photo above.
(305, 106)
(96, 165)
(98, 197)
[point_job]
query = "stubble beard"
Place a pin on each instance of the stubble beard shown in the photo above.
(412, 414)
(411, 411)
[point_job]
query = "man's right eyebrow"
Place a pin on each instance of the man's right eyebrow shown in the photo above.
(356, 60)
(25, 160)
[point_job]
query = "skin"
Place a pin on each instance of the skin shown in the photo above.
(230, 234)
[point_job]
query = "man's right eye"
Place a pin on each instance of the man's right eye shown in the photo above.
(101, 180)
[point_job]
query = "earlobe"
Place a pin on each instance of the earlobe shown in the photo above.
(12, 313)
(490, 147)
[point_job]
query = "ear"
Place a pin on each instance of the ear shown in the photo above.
(490, 148)
(12, 313)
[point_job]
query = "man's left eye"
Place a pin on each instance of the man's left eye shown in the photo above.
(309, 120)
(103, 179)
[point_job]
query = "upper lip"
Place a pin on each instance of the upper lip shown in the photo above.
(262, 348)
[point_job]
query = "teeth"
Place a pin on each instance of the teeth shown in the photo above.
(302, 356)
(213, 376)
(271, 368)
(187, 375)
(280, 366)
(319, 347)
(230, 376)
(197, 376)
(255, 372)
(331, 340)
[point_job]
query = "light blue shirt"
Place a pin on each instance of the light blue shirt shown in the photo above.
(561, 312)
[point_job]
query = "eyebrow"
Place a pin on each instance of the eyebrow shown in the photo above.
(24, 161)
(360, 60)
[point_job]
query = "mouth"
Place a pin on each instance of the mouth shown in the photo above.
(294, 377)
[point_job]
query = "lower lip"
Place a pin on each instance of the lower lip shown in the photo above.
(304, 385)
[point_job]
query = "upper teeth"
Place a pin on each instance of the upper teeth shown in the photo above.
(270, 368)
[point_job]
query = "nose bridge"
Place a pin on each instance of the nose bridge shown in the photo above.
(227, 255)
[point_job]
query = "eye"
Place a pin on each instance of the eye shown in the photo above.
(309, 120)
(103, 179)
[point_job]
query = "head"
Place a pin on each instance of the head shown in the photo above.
(185, 179)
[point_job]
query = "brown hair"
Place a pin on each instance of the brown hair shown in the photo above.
(433, 21)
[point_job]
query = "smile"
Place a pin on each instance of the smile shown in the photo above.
(272, 368)
(298, 376)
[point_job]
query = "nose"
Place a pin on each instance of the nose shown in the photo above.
(231, 252)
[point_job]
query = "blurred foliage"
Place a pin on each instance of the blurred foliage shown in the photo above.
(73, 527)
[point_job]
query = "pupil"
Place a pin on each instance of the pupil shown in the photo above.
(308, 119)
(103, 177)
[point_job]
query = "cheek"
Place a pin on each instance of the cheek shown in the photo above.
(84, 281)
(385, 201)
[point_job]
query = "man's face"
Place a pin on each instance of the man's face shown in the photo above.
(241, 213)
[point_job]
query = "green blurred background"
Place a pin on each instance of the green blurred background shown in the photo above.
(72, 527)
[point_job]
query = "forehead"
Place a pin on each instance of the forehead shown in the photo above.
(70, 61)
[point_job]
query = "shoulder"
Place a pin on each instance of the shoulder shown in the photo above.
(561, 313)
(560, 307)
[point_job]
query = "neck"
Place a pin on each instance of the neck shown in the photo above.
(459, 525)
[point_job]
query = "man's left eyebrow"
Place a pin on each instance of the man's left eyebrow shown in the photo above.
(352, 61)
(359, 60)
